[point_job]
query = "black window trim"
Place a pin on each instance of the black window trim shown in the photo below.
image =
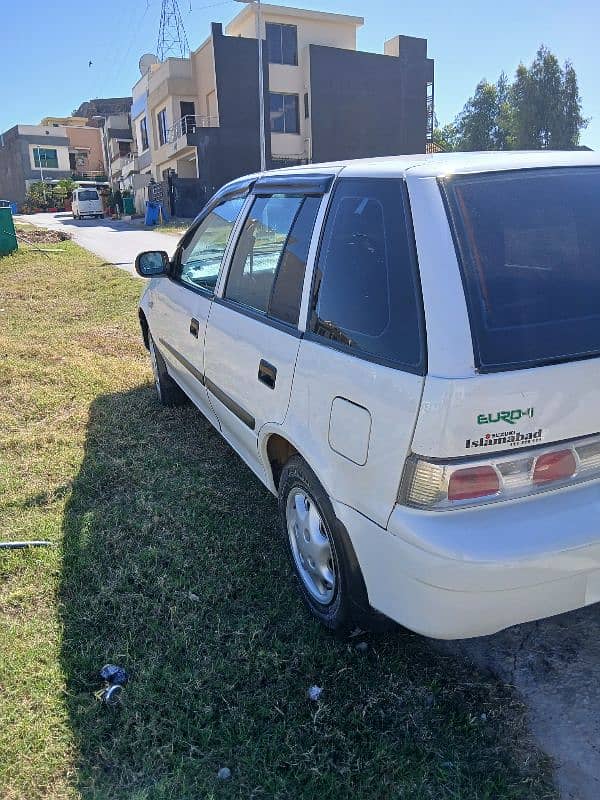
(230, 191)
(247, 310)
(310, 335)
(480, 367)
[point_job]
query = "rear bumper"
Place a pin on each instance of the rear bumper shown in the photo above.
(457, 574)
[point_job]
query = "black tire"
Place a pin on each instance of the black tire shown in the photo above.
(169, 393)
(349, 607)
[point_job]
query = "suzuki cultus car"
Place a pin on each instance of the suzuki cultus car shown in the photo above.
(406, 351)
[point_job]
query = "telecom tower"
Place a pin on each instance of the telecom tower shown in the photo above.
(172, 38)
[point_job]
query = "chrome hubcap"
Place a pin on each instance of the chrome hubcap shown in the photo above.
(154, 367)
(310, 544)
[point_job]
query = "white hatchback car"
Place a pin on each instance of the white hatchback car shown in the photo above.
(406, 351)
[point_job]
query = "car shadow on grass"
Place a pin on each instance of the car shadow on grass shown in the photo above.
(173, 567)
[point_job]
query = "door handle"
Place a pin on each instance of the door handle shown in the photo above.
(194, 327)
(267, 374)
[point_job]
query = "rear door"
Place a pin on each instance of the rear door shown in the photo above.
(359, 374)
(252, 337)
(180, 304)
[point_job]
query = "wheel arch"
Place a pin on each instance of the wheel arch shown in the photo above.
(276, 447)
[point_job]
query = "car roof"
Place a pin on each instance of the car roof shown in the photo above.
(438, 164)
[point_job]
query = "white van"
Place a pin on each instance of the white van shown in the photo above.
(86, 203)
(406, 351)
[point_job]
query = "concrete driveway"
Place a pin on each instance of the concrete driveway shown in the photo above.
(114, 241)
(555, 666)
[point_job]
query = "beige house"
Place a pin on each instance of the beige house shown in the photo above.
(181, 94)
(198, 117)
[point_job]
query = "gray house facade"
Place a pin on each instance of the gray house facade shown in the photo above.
(29, 153)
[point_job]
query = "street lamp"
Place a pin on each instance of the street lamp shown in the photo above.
(261, 82)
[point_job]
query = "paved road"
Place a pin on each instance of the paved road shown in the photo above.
(116, 242)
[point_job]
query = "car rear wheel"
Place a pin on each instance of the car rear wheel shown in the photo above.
(322, 557)
(169, 393)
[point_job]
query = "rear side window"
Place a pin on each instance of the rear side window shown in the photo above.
(529, 248)
(267, 269)
(366, 296)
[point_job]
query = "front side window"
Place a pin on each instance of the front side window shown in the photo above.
(267, 269)
(203, 248)
(161, 119)
(144, 133)
(284, 113)
(366, 296)
(282, 43)
(45, 157)
(529, 248)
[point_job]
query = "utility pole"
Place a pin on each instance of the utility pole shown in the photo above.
(261, 82)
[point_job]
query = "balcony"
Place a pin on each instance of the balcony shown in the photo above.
(189, 125)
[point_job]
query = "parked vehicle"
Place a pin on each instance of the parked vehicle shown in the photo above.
(406, 351)
(86, 203)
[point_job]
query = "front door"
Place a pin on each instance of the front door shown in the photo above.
(180, 304)
(252, 336)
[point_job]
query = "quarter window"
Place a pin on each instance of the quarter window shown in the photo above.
(365, 297)
(161, 119)
(267, 269)
(284, 113)
(203, 249)
(46, 158)
(282, 43)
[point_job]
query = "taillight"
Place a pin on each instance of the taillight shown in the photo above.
(472, 482)
(551, 467)
(438, 485)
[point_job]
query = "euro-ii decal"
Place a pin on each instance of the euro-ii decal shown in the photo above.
(505, 416)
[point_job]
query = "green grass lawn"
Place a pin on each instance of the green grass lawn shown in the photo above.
(168, 561)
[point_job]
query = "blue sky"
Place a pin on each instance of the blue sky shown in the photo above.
(46, 47)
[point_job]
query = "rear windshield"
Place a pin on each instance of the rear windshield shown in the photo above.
(529, 247)
(88, 194)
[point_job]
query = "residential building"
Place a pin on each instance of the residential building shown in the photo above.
(117, 142)
(29, 153)
(197, 118)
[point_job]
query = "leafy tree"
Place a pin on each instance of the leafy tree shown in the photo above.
(38, 195)
(540, 109)
(445, 137)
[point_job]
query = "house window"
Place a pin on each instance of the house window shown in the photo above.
(144, 133)
(282, 43)
(306, 106)
(72, 162)
(284, 113)
(124, 148)
(161, 119)
(46, 158)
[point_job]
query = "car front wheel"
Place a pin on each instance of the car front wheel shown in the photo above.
(169, 393)
(328, 574)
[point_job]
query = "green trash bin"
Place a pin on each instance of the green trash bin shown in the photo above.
(8, 239)
(128, 207)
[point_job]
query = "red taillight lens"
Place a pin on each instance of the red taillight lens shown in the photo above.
(554, 467)
(465, 484)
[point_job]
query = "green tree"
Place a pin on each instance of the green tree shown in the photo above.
(445, 137)
(540, 109)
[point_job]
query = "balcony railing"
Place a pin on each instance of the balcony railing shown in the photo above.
(189, 124)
